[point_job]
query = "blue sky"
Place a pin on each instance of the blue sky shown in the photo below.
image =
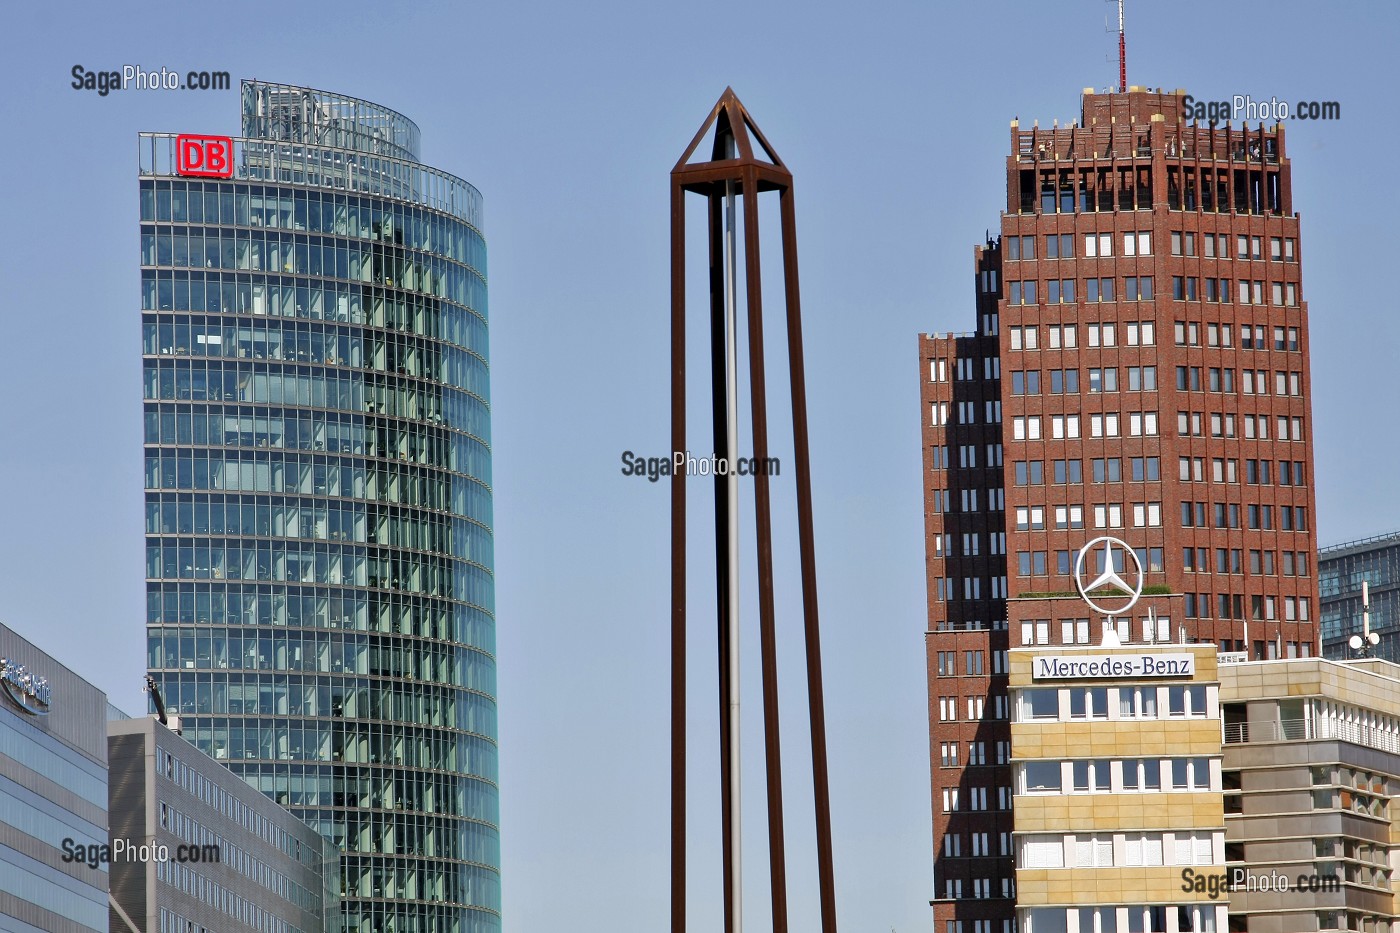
(893, 117)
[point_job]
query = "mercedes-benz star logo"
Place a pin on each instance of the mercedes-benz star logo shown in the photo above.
(1109, 576)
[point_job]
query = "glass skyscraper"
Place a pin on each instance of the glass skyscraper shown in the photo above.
(320, 606)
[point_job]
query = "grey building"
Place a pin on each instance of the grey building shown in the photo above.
(1341, 571)
(1311, 762)
(195, 849)
(53, 794)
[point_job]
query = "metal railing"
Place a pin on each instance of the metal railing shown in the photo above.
(1292, 730)
(261, 161)
(1374, 539)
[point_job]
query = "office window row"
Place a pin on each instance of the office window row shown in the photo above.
(1099, 379)
(959, 799)
(1076, 631)
(1071, 472)
(944, 545)
(1057, 246)
(964, 369)
(976, 753)
(1261, 562)
(1101, 334)
(1102, 424)
(219, 849)
(1063, 291)
(949, 707)
(1252, 336)
(1193, 918)
(973, 665)
(1257, 517)
(1252, 381)
(947, 588)
(1256, 472)
(1119, 850)
(298, 254)
(1231, 561)
(303, 209)
(262, 604)
(980, 926)
(281, 295)
(211, 795)
(1061, 563)
(1068, 704)
(1188, 288)
(1104, 515)
(1229, 424)
(1217, 246)
(980, 844)
(1261, 607)
(1117, 776)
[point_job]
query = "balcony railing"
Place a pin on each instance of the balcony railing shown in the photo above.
(1292, 730)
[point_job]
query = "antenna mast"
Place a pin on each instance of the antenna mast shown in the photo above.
(1122, 53)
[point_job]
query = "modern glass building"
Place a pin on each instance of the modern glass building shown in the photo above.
(318, 499)
(53, 794)
(1341, 570)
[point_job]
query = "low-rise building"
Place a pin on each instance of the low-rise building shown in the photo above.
(195, 849)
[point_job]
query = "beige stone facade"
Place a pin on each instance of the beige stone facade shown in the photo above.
(1116, 771)
(1249, 797)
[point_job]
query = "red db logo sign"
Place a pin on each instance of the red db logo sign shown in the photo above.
(204, 156)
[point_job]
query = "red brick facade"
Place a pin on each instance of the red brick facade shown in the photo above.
(1140, 354)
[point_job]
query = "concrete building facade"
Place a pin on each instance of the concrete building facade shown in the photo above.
(1311, 764)
(203, 850)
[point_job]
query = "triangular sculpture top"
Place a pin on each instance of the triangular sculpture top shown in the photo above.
(730, 122)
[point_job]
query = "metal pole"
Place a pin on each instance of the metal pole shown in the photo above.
(720, 426)
(678, 563)
(816, 708)
(1122, 53)
(763, 525)
(731, 441)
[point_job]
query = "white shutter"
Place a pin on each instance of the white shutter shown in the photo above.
(1044, 853)
(1183, 854)
(1204, 856)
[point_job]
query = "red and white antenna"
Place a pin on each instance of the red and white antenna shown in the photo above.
(1122, 53)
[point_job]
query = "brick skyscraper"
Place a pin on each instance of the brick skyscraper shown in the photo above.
(1139, 369)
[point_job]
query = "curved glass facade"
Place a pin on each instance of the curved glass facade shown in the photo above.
(318, 502)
